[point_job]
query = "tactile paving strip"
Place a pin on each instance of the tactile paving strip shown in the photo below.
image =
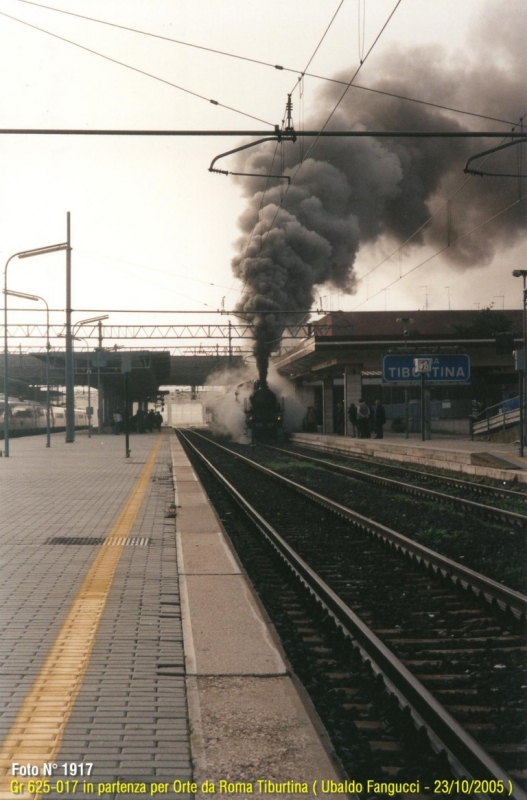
(130, 717)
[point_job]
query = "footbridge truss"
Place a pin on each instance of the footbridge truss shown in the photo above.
(149, 332)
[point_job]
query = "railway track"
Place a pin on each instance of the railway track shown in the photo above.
(428, 475)
(503, 515)
(478, 535)
(447, 642)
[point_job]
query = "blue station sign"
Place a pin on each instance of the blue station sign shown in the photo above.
(447, 369)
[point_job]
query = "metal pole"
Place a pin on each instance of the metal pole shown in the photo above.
(99, 392)
(423, 437)
(522, 421)
(524, 375)
(6, 372)
(70, 378)
(6, 364)
(126, 427)
(89, 396)
(22, 254)
(48, 408)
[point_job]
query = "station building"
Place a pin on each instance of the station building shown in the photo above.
(341, 360)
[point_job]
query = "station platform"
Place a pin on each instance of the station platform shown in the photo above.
(136, 660)
(497, 460)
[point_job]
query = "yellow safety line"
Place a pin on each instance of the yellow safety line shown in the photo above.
(36, 734)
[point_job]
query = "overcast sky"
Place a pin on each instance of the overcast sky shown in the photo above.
(151, 227)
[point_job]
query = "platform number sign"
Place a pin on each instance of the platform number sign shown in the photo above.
(423, 366)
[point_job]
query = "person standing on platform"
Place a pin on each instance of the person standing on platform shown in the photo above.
(352, 416)
(311, 420)
(117, 420)
(140, 420)
(151, 420)
(339, 418)
(379, 418)
(363, 419)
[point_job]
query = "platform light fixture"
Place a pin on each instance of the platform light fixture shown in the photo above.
(37, 251)
(91, 319)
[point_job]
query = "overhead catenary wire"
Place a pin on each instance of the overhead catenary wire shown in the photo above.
(106, 257)
(324, 126)
(280, 67)
(300, 81)
(317, 48)
(153, 283)
(136, 69)
(446, 247)
(361, 26)
(342, 82)
(258, 213)
(447, 205)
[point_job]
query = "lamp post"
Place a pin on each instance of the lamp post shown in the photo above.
(522, 273)
(88, 373)
(39, 251)
(99, 321)
(99, 393)
(73, 336)
(37, 297)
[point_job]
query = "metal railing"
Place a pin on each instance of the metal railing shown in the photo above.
(498, 417)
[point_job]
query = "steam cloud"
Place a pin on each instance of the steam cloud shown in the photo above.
(351, 192)
(228, 408)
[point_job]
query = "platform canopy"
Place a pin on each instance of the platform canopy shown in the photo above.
(149, 370)
(344, 341)
(197, 370)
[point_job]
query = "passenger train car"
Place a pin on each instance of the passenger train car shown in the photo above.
(27, 418)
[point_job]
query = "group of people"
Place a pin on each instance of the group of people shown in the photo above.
(141, 422)
(366, 419)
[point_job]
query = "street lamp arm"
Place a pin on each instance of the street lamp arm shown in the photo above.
(40, 251)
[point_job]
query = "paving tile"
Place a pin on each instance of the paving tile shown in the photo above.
(118, 719)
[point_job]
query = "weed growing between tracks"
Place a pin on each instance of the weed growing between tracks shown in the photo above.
(487, 547)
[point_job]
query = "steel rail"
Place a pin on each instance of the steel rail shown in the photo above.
(455, 740)
(418, 491)
(480, 585)
(480, 488)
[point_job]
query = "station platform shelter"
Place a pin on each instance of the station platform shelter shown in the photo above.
(341, 360)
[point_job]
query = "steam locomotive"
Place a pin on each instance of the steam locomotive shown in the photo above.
(264, 414)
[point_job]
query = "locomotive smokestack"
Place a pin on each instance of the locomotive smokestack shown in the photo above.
(351, 192)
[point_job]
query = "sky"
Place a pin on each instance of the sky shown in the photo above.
(152, 228)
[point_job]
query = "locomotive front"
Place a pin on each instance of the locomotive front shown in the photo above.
(264, 415)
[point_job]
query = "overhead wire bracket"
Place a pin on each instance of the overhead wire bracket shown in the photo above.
(488, 153)
(286, 134)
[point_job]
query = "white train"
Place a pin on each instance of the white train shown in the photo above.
(27, 418)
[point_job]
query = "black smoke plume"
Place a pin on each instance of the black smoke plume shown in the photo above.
(350, 192)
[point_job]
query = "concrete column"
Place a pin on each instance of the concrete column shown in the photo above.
(327, 399)
(352, 390)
